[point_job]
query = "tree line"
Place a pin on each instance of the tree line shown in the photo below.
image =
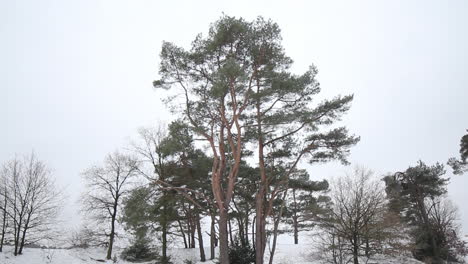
(159, 190)
(255, 122)
(354, 218)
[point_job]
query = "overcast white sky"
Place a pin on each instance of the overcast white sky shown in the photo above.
(76, 76)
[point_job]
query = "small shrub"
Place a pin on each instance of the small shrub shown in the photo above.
(239, 254)
(162, 260)
(139, 251)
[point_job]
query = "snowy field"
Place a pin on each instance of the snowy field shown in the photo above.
(286, 254)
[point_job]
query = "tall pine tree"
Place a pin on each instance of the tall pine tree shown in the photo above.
(410, 193)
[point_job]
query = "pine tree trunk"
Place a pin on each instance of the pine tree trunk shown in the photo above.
(260, 235)
(164, 242)
(247, 229)
(275, 229)
(295, 222)
(230, 231)
(275, 237)
(193, 230)
(223, 236)
(164, 227)
(200, 240)
(241, 235)
(254, 221)
(183, 233)
(189, 229)
(296, 231)
(192, 226)
(212, 238)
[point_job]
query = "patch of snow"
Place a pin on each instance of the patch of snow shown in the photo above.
(285, 254)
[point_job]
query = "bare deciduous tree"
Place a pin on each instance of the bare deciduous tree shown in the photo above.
(31, 200)
(354, 224)
(3, 205)
(444, 219)
(106, 186)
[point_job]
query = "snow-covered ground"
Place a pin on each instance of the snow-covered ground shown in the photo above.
(286, 254)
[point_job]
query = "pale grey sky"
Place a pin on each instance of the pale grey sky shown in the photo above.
(76, 76)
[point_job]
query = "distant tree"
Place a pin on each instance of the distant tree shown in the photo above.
(191, 169)
(303, 203)
(178, 176)
(87, 235)
(464, 147)
(141, 212)
(443, 217)
(138, 213)
(353, 225)
(151, 150)
(298, 206)
(410, 193)
(106, 186)
(460, 166)
(30, 200)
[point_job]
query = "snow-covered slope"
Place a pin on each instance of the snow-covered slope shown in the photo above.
(286, 254)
